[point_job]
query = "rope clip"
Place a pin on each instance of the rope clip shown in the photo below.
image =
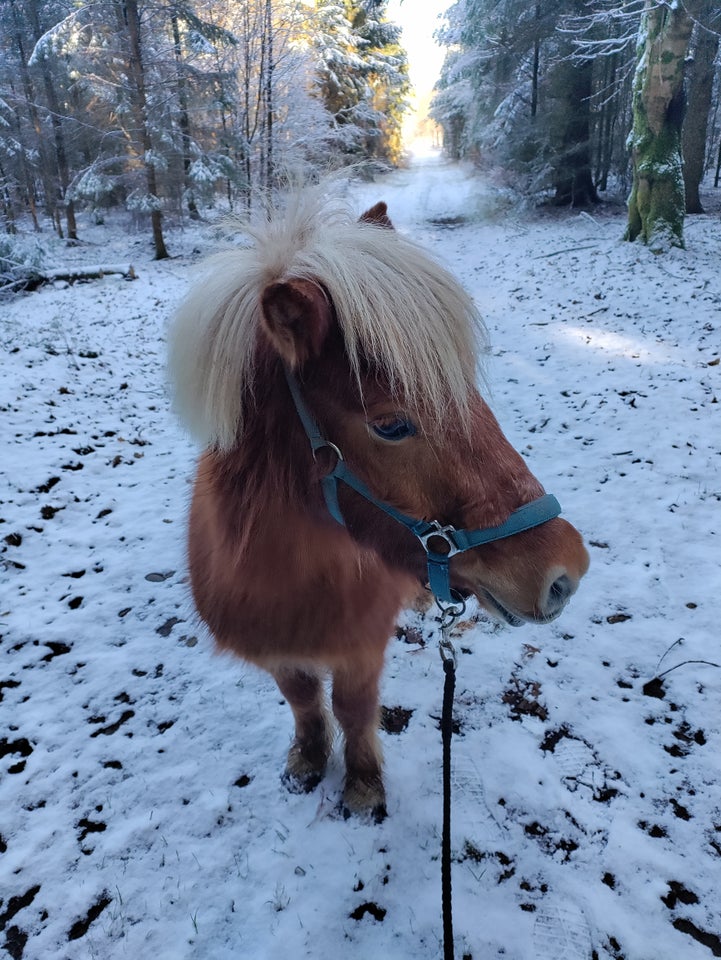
(447, 651)
(448, 616)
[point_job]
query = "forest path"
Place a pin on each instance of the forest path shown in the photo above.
(141, 808)
(432, 192)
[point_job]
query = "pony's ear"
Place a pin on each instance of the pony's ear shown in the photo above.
(297, 315)
(377, 214)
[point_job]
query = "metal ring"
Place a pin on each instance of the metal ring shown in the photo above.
(453, 610)
(441, 533)
(327, 443)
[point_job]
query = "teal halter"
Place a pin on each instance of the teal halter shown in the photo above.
(430, 533)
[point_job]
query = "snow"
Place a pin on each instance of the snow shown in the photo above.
(141, 808)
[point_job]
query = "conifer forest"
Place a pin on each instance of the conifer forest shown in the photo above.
(164, 107)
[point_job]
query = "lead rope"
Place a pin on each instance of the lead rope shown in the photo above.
(448, 617)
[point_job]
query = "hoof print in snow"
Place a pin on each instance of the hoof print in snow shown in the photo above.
(113, 727)
(57, 649)
(86, 827)
(506, 865)
(686, 738)
(613, 948)
(710, 940)
(47, 486)
(395, 719)
(654, 688)
(552, 842)
(652, 829)
(21, 747)
(523, 697)
(81, 927)
(165, 628)
(677, 893)
(679, 810)
(378, 913)
(14, 906)
(15, 940)
(618, 618)
(8, 685)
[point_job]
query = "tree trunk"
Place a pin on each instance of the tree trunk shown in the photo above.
(695, 124)
(56, 121)
(137, 72)
(607, 121)
(269, 106)
(535, 68)
(183, 118)
(7, 213)
(30, 192)
(573, 179)
(657, 204)
(44, 165)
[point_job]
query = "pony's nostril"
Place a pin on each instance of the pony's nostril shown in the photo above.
(558, 593)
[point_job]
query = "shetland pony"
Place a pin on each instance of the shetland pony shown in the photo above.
(383, 343)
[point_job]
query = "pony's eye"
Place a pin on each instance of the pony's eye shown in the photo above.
(394, 428)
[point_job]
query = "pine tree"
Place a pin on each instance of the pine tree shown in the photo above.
(39, 123)
(364, 74)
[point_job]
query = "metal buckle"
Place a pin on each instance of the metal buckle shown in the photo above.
(442, 533)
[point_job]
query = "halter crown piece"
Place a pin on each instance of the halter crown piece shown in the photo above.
(440, 542)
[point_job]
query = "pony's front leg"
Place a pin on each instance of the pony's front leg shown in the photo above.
(311, 746)
(355, 704)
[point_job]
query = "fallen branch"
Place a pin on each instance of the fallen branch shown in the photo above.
(557, 253)
(127, 272)
(36, 278)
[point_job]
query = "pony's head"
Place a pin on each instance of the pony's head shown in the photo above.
(384, 343)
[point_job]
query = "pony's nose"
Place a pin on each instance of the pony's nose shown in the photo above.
(558, 595)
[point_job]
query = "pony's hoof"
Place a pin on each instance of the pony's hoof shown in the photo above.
(374, 815)
(301, 782)
(303, 772)
(365, 799)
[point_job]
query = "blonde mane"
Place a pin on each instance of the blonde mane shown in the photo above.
(394, 304)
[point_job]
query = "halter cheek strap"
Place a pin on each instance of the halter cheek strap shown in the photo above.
(439, 542)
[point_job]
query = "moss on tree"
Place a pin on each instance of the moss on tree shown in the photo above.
(657, 203)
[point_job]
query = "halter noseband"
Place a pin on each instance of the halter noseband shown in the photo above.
(430, 532)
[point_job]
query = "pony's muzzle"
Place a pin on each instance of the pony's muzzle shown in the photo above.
(557, 596)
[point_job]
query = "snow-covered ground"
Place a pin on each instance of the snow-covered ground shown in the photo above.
(141, 809)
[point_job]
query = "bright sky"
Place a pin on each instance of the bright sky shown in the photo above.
(419, 20)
